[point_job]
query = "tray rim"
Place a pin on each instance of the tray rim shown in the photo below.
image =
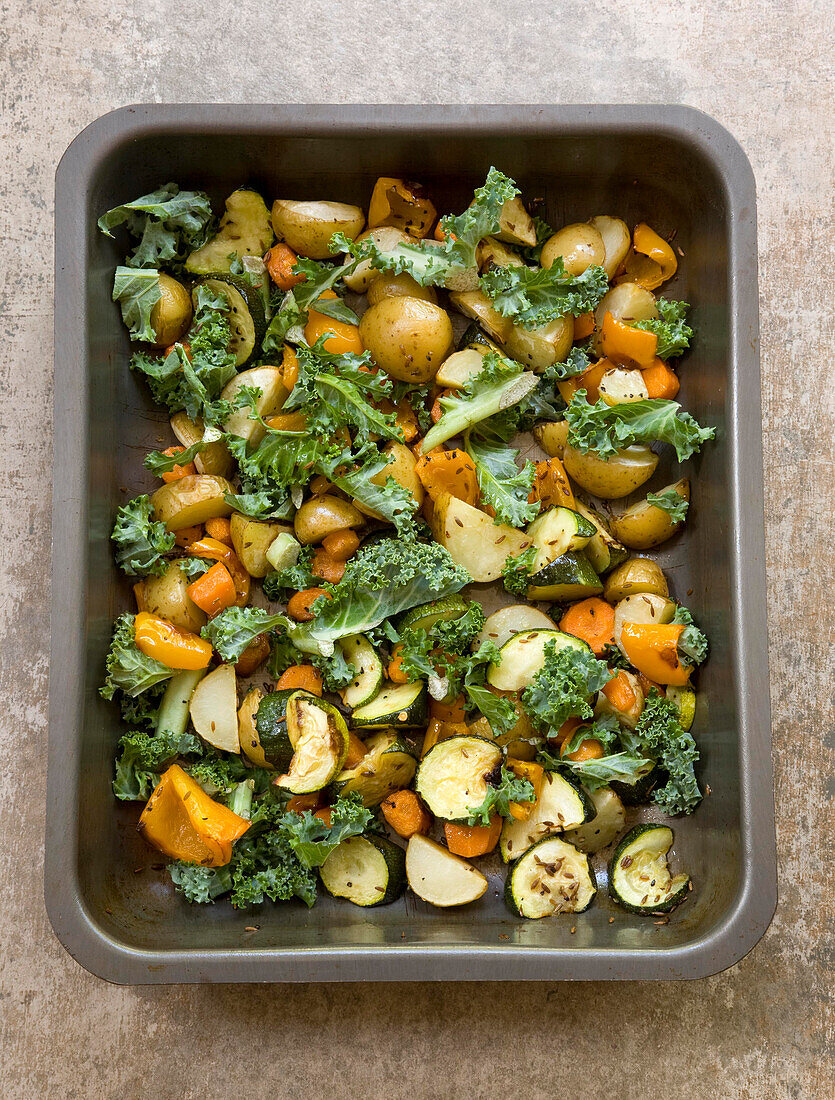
(744, 924)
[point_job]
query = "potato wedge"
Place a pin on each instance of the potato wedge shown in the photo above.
(385, 238)
(439, 877)
(476, 304)
(579, 245)
(539, 348)
(192, 500)
(645, 525)
(408, 338)
(616, 241)
(634, 577)
(251, 539)
(167, 597)
(494, 253)
(510, 620)
(403, 469)
(622, 387)
(214, 458)
(273, 395)
(515, 224)
(473, 539)
(308, 226)
(457, 370)
(389, 285)
(552, 437)
(214, 709)
(609, 478)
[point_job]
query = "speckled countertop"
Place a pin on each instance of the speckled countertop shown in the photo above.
(762, 1030)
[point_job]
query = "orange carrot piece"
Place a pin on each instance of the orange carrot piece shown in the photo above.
(453, 711)
(324, 815)
(583, 326)
(660, 380)
(300, 678)
(221, 529)
(405, 813)
(566, 729)
(253, 656)
(214, 591)
(395, 671)
(436, 412)
(341, 545)
(591, 620)
(178, 471)
(356, 750)
(619, 692)
(551, 485)
(299, 604)
(473, 840)
(326, 567)
(280, 261)
(301, 802)
(450, 472)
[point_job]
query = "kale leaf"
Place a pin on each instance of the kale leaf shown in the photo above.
(562, 687)
(509, 789)
(169, 223)
(659, 735)
(128, 668)
(142, 756)
(670, 502)
(141, 542)
(673, 332)
(536, 296)
(604, 429)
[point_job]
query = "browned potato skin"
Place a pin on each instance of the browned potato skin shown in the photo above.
(580, 246)
(167, 597)
(403, 285)
(251, 538)
(633, 577)
(403, 469)
(645, 525)
(613, 477)
(407, 337)
(192, 500)
(171, 315)
(321, 516)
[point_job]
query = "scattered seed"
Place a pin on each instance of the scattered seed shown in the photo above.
(611, 920)
(573, 929)
(252, 928)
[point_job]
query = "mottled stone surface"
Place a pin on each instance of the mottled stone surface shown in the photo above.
(761, 1030)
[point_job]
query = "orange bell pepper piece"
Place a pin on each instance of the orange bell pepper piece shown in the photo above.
(647, 242)
(217, 551)
(551, 485)
(343, 338)
(652, 649)
(178, 471)
(623, 344)
(590, 749)
(183, 822)
(287, 422)
(535, 774)
(660, 380)
(583, 326)
(589, 381)
(166, 643)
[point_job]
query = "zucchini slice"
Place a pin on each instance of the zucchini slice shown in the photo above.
(685, 701)
(556, 532)
(367, 870)
(319, 737)
(524, 655)
(452, 777)
(569, 577)
(402, 706)
(254, 287)
(247, 730)
(425, 616)
(604, 827)
(274, 741)
(368, 678)
(551, 877)
(603, 550)
(639, 877)
(242, 343)
(562, 804)
(439, 877)
(245, 230)
(387, 766)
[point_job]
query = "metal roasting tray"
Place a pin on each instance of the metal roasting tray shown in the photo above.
(109, 902)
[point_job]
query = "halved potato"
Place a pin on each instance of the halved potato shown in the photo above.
(457, 370)
(645, 525)
(273, 395)
(408, 338)
(580, 245)
(401, 204)
(321, 516)
(214, 458)
(385, 238)
(308, 226)
(251, 539)
(214, 709)
(475, 542)
(476, 304)
(633, 577)
(622, 387)
(510, 620)
(389, 285)
(539, 348)
(494, 253)
(552, 437)
(171, 314)
(616, 241)
(403, 469)
(167, 597)
(515, 224)
(191, 500)
(609, 478)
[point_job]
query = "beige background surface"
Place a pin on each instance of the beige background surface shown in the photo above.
(762, 1030)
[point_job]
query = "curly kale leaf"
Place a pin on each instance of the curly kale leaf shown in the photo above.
(536, 296)
(503, 485)
(499, 797)
(313, 841)
(673, 332)
(659, 735)
(670, 502)
(235, 628)
(516, 572)
(168, 222)
(563, 686)
(141, 542)
(143, 756)
(604, 429)
(137, 292)
(200, 885)
(290, 317)
(692, 643)
(128, 668)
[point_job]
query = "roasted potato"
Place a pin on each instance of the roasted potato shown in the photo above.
(167, 597)
(621, 387)
(456, 371)
(403, 469)
(308, 226)
(539, 348)
(407, 337)
(634, 577)
(171, 315)
(609, 478)
(251, 539)
(616, 241)
(214, 458)
(385, 238)
(476, 304)
(473, 539)
(403, 285)
(273, 395)
(516, 225)
(580, 246)
(321, 516)
(552, 437)
(192, 500)
(645, 525)
(402, 204)
(494, 253)
(214, 709)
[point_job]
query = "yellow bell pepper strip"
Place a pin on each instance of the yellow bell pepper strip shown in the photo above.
(166, 643)
(623, 344)
(183, 822)
(218, 551)
(535, 774)
(648, 243)
(652, 649)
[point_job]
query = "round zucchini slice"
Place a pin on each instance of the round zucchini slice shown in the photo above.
(639, 877)
(562, 804)
(271, 729)
(387, 766)
(453, 776)
(551, 877)
(604, 827)
(319, 737)
(368, 678)
(524, 655)
(556, 532)
(367, 870)
(439, 877)
(242, 343)
(398, 706)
